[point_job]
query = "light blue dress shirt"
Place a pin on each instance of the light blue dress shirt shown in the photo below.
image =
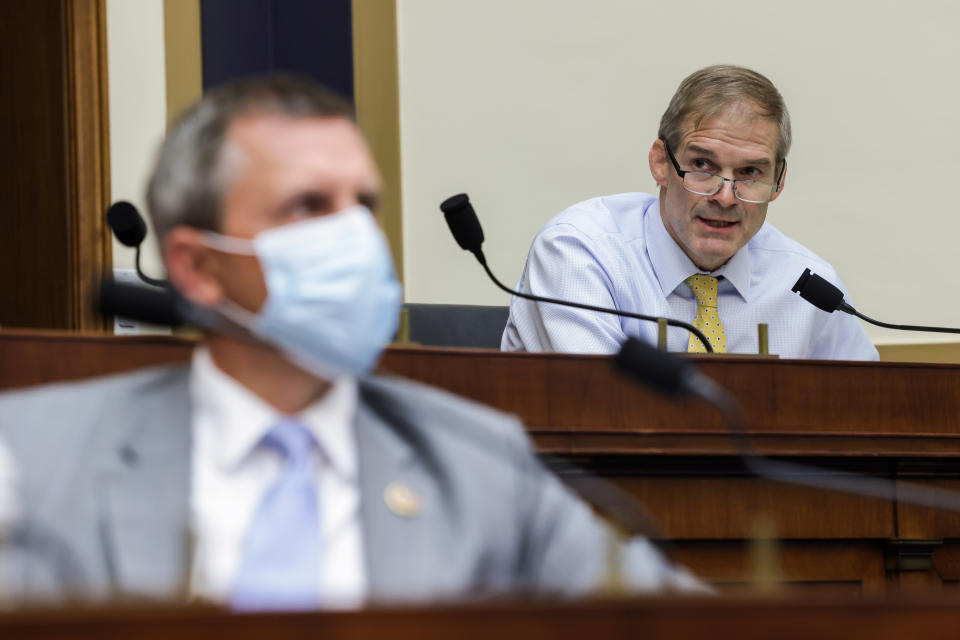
(615, 252)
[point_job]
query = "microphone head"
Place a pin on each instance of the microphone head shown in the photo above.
(146, 304)
(463, 223)
(818, 291)
(126, 223)
(657, 369)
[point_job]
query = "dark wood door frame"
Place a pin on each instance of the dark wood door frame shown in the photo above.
(88, 153)
(54, 169)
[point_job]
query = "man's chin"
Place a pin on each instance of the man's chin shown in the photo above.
(713, 257)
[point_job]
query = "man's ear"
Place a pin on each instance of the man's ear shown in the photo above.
(659, 163)
(783, 182)
(192, 267)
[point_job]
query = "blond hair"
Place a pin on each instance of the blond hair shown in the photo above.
(709, 91)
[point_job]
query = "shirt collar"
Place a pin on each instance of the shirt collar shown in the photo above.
(672, 266)
(238, 419)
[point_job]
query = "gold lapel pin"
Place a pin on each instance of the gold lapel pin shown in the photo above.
(402, 500)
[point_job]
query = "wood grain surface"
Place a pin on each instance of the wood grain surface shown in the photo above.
(895, 421)
(833, 616)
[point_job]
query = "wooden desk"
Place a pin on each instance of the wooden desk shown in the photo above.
(677, 619)
(898, 421)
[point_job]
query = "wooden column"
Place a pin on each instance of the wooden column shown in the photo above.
(54, 169)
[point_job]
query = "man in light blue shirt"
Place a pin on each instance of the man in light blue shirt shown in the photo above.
(720, 159)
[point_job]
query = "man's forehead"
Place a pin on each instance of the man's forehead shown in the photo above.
(291, 153)
(740, 124)
(258, 127)
(295, 145)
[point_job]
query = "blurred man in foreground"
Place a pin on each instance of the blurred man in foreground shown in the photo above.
(274, 472)
(700, 251)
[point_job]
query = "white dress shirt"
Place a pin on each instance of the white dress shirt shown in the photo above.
(615, 252)
(232, 472)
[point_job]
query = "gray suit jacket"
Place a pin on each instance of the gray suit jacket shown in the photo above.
(105, 467)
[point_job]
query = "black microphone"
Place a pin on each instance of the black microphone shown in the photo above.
(144, 304)
(824, 295)
(128, 226)
(678, 377)
(464, 224)
(466, 229)
(165, 307)
(667, 374)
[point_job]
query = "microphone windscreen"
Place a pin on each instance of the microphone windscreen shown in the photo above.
(818, 291)
(463, 222)
(145, 304)
(127, 223)
(657, 369)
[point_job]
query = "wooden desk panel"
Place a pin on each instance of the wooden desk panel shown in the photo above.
(41, 357)
(576, 404)
(823, 568)
(728, 508)
(892, 420)
(917, 521)
(793, 407)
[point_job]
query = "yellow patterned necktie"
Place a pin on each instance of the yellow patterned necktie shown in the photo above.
(707, 320)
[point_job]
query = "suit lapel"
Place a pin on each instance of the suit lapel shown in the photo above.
(146, 519)
(399, 511)
(147, 490)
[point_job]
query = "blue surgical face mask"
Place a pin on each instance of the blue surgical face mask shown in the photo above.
(333, 300)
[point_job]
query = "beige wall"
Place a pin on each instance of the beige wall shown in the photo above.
(138, 115)
(533, 105)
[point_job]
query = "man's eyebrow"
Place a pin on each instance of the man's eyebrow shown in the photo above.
(758, 162)
(317, 195)
(370, 198)
(700, 150)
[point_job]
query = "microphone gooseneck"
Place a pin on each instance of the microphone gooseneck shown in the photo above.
(678, 377)
(827, 297)
(151, 281)
(466, 230)
(129, 228)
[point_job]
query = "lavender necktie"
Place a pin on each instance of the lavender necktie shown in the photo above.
(280, 562)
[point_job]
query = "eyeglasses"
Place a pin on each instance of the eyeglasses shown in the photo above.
(708, 184)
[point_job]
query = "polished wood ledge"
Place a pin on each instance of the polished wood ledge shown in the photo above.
(678, 619)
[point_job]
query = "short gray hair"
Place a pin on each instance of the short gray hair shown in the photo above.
(187, 183)
(707, 92)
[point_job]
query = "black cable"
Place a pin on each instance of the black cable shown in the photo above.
(589, 307)
(905, 327)
(613, 502)
(828, 297)
(145, 277)
(811, 476)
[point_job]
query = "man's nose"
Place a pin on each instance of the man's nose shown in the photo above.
(345, 201)
(725, 197)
